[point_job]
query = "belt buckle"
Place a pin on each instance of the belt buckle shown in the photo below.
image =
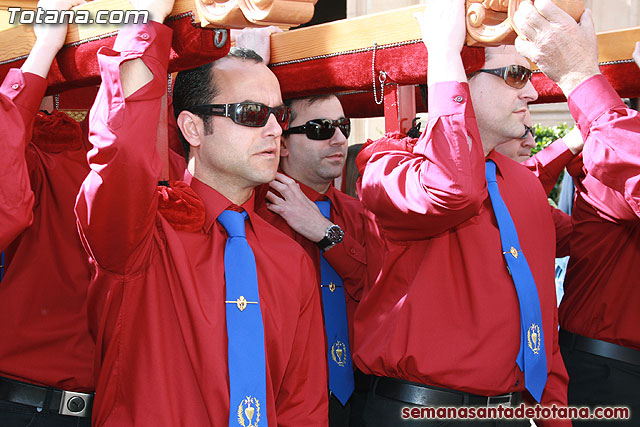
(75, 404)
(503, 399)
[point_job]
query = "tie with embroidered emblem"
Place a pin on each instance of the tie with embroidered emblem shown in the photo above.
(334, 307)
(245, 331)
(531, 358)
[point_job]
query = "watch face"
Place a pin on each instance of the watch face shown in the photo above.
(335, 234)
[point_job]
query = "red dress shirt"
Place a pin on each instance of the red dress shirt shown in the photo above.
(44, 334)
(444, 310)
(349, 257)
(602, 286)
(156, 303)
(16, 197)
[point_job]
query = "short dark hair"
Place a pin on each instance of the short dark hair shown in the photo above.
(308, 99)
(198, 86)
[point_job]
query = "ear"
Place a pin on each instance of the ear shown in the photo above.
(284, 151)
(191, 126)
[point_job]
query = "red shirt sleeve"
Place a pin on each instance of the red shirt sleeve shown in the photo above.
(349, 258)
(20, 97)
(564, 229)
(548, 163)
(26, 90)
(441, 183)
(611, 151)
(117, 203)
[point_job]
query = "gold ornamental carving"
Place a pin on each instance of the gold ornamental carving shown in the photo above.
(490, 22)
(251, 13)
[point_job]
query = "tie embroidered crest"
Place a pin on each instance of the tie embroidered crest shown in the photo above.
(247, 409)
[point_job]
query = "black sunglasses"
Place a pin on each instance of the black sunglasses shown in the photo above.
(251, 114)
(321, 129)
(515, 76)
(528, 130)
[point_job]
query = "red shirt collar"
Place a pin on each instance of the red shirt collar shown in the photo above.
(215, 203)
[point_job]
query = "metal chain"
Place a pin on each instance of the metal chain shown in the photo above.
(56, 101)
(343, 53)
(382, 77)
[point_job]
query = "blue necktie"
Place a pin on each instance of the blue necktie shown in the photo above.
(531, 358)
(334, 307)
(245, 332)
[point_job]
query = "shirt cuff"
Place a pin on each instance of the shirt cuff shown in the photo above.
(556, 153)
(447, 98)
(152, 39)
(26, 90)
(345, 252)
(591, 99)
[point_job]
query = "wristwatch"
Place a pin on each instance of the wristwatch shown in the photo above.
(332, 236)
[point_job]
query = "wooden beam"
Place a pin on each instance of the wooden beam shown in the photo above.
(398, 26)
(617, 45)
(346, 35)
(17, 40)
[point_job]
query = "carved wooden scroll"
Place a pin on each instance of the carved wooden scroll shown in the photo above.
(220, 12)
(490, 22)
(247, 13)
(275, 12)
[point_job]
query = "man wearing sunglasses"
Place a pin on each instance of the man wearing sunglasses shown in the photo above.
(327, 223)
(599, 337)
(463, 312)
(203, 313)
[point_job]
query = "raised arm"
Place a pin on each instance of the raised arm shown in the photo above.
(117, 203)
(16, 197)
(567, 52)
(611, 153)
(441, 183)
(20, 96)
(549, 163)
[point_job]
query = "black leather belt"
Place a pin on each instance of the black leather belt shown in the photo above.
(58, 401)
(599, 348)
(422, 395)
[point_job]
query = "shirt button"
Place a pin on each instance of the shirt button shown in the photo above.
(353, 251)
(144, 36)
(458, 99)
(15, 86)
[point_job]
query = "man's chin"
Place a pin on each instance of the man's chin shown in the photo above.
(264, 177)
